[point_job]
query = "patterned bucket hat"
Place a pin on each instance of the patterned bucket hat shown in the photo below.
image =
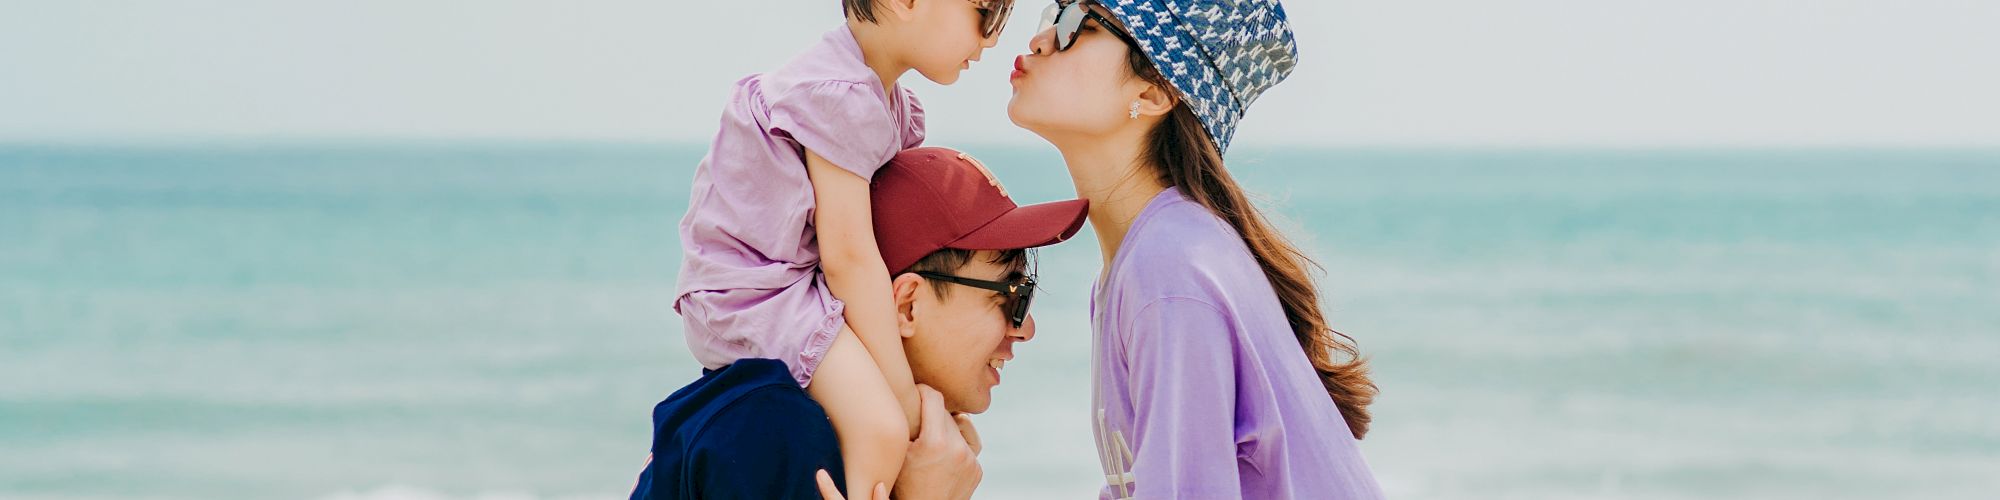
(1220, 54)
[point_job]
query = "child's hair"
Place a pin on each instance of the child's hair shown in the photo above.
(859, 9)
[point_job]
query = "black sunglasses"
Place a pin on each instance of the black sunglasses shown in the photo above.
(1018, 293)
(993, 16)
(1068, 15)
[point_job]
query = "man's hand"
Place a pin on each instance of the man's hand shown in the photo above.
(943, 461)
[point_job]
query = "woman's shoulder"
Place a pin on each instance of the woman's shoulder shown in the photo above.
(1177, 229)
(1179, 249)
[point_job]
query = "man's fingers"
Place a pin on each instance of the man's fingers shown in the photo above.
(881, 491)
(827, 490)
(935, 419)
(971, 434)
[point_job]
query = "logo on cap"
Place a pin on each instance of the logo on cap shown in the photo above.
(990, 179)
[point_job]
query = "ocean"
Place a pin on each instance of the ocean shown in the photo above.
(390, 321)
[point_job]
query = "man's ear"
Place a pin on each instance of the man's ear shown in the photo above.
(903, 294)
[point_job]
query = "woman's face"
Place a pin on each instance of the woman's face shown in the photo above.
(1085, 91)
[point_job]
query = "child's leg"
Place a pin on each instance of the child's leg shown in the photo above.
(869, 422)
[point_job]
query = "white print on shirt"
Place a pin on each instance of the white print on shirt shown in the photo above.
(1115, 458)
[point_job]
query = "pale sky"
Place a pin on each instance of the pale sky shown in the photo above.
(1535, 73)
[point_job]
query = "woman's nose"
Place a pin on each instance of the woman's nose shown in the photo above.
(1044, 42)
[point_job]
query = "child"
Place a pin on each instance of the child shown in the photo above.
(780, 255)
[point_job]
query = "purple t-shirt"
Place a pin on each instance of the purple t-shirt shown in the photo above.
(750, 284)
(1202, 390)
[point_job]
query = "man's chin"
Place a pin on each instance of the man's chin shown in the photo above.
(974, 405)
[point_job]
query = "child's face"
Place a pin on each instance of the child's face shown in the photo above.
(946, 37)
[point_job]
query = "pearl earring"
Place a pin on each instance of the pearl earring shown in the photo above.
(1135, 109)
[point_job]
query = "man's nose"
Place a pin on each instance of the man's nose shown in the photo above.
(1026, 331)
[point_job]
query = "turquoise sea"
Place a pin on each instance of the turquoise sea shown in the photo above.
(492, 321)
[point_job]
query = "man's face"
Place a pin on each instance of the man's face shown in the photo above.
(957, 344)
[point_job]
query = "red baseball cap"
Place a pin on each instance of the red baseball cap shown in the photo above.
(932, 198)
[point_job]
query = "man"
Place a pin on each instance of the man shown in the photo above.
(955, 245)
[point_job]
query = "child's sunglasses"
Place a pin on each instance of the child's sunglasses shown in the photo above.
(1068, 15)
(1018, 293)
(993, 16)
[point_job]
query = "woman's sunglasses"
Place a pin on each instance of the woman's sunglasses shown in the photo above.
(1018, 293)
(993, 16)
(1068, 15)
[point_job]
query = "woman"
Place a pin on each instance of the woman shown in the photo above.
(1216, 373)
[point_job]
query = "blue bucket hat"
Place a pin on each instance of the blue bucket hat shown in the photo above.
(1220, 54)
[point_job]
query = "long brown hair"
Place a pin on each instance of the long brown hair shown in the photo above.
(1179, 147)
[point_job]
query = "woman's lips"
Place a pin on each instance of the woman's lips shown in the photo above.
(1020, 69)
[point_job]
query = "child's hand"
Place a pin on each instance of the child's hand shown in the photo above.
(971, 434)
(943, 461)
(827, 490)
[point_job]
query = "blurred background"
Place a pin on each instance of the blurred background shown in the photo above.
(426, 250)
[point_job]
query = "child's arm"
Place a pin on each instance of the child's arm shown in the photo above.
(864, 373)
(855, 273)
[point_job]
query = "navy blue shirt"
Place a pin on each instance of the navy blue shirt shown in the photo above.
(744, 431)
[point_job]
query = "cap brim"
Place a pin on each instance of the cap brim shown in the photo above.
(1028, 227)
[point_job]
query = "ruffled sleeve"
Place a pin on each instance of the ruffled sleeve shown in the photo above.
(913, 135)
(847, 123)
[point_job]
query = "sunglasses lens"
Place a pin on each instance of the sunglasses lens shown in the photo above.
(1070, 20)
(1020, 312)
(996, 19)
(1049, 17)
(1017, 314)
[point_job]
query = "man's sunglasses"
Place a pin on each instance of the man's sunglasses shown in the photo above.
(1068, 16)
(993, 16)
(1018, 293)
